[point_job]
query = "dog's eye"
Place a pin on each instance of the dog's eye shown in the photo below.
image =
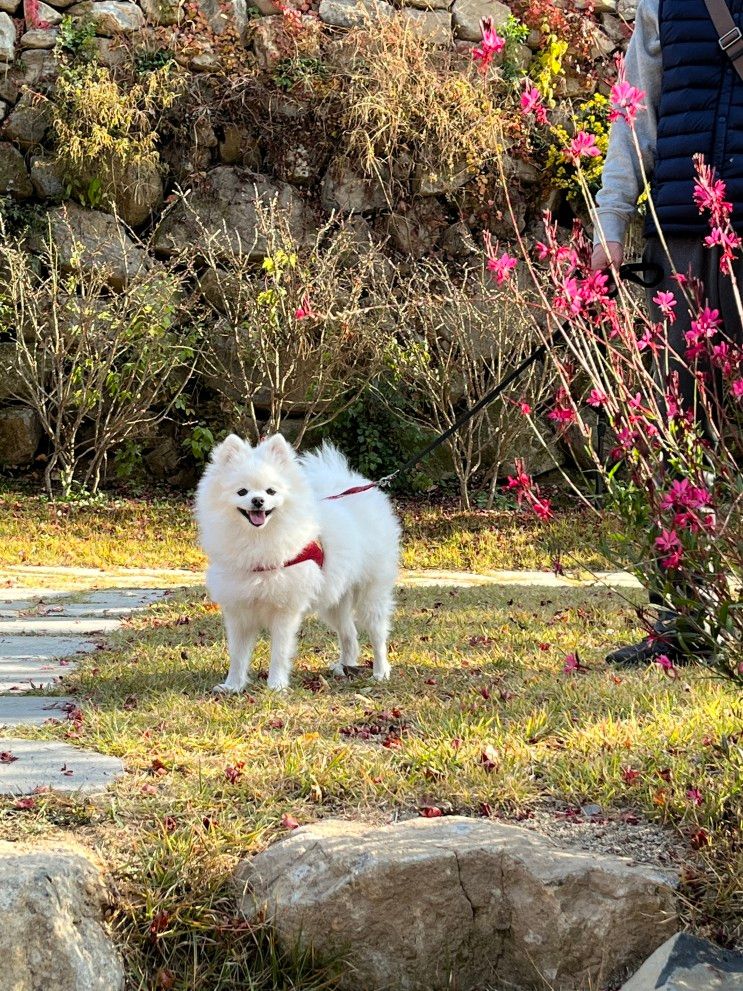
(270, 491)
(242, 492)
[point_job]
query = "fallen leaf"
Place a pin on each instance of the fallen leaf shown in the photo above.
(289, 822)
(430, 811)
(6, 757)
(489, 758)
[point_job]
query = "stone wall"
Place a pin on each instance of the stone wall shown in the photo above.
(245, 134)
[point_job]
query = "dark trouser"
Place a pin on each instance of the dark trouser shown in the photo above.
(691, 257)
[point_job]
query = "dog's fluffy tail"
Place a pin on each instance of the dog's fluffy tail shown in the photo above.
(328, 471)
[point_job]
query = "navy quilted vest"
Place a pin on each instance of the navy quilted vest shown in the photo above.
(701, 110)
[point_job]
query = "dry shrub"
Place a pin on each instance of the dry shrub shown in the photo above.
(98, 367)
(458, 339)
(300, 334)
(398, 94)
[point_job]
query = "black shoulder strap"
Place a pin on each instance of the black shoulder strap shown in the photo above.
(731, 38)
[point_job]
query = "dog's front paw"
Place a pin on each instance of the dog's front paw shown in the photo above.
(382, 674)
(338, 670)
(227, 688)
(278, 684)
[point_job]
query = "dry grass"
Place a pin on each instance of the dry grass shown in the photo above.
(209, 779)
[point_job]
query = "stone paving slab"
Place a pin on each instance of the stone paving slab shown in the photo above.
(33, 710)
(56, 626)
(27, 662)
(40, 765)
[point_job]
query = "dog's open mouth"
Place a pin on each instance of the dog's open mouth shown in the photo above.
(256, 517)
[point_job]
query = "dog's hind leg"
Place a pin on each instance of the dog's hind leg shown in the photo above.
(373, 610)
(241, 638)
(283, 647)
(340, 618)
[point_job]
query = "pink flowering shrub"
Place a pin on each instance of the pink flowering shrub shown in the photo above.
(671, 473)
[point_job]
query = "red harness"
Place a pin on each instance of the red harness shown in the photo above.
(314, 551)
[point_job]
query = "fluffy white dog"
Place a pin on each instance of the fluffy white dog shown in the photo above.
(279, 545)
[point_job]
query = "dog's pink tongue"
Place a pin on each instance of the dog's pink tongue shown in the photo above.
(257, 517)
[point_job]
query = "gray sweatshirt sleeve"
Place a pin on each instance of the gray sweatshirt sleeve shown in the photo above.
(621, 181)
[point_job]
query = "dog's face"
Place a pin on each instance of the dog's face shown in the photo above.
(254, 482)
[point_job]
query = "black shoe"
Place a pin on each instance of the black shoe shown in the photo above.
(634, 655)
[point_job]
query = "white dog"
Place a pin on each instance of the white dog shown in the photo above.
(280, 545)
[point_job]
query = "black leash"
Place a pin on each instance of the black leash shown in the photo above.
(634, 272)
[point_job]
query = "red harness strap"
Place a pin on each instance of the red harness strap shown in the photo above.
(314, 551)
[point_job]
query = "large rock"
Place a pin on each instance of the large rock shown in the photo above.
(92, 241)
(40, 15)
(231, 15)
(40, 39)
(46, 178)
(52, 901)
(7, 38)
(110, 17)
(20, 433)
(163, 12)
(13, 176)
(688, 962)
(411, 905)
(29, 122)
(468, 14)
(225, 210)
(431, 26)
(11, 382)
(346, 190)
(354, 13)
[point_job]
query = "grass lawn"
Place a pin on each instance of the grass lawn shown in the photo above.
(161, 534)
(479, 718)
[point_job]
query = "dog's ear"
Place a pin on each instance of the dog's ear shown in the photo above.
(279, 448)
(230, 448)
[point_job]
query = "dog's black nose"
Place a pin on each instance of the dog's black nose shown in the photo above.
(257, 501)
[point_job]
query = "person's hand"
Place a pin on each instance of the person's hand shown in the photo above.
(609, 257)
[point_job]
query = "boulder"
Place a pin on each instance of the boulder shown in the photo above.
(225, 208)
(40, 15)
(354, 13)
(269, 40)
(347, 190)
(411, 905)
(53, 937)
(416, 232)
(7, 38)
(40, 39)
(688, 962)
(431, 180)
(46, 178)
(20, 433)
(431, 26)
(10, 6)
(430, 4)
(225, 16)
(92, 241)
(110, 17)
(162, 12)
(112, 52)
(11, 384)
(29, 121)
(13, 176)
(468, 14)
(627, 9)
(240, 145)
(137, 192)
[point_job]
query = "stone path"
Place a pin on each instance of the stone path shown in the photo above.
(49, 616)
(43, 628)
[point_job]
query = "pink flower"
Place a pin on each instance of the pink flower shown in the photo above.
(531, 103)
(683, 495)
(666, 302)
(520, 483)
(491, 44)
(304, 311)
(524, 407)
(582, 145)
(736, 388)
(694, 795)
(626, 100)
(502, 267)
(665, 662)
(597, 398)
(542, 508)
(572, 665)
